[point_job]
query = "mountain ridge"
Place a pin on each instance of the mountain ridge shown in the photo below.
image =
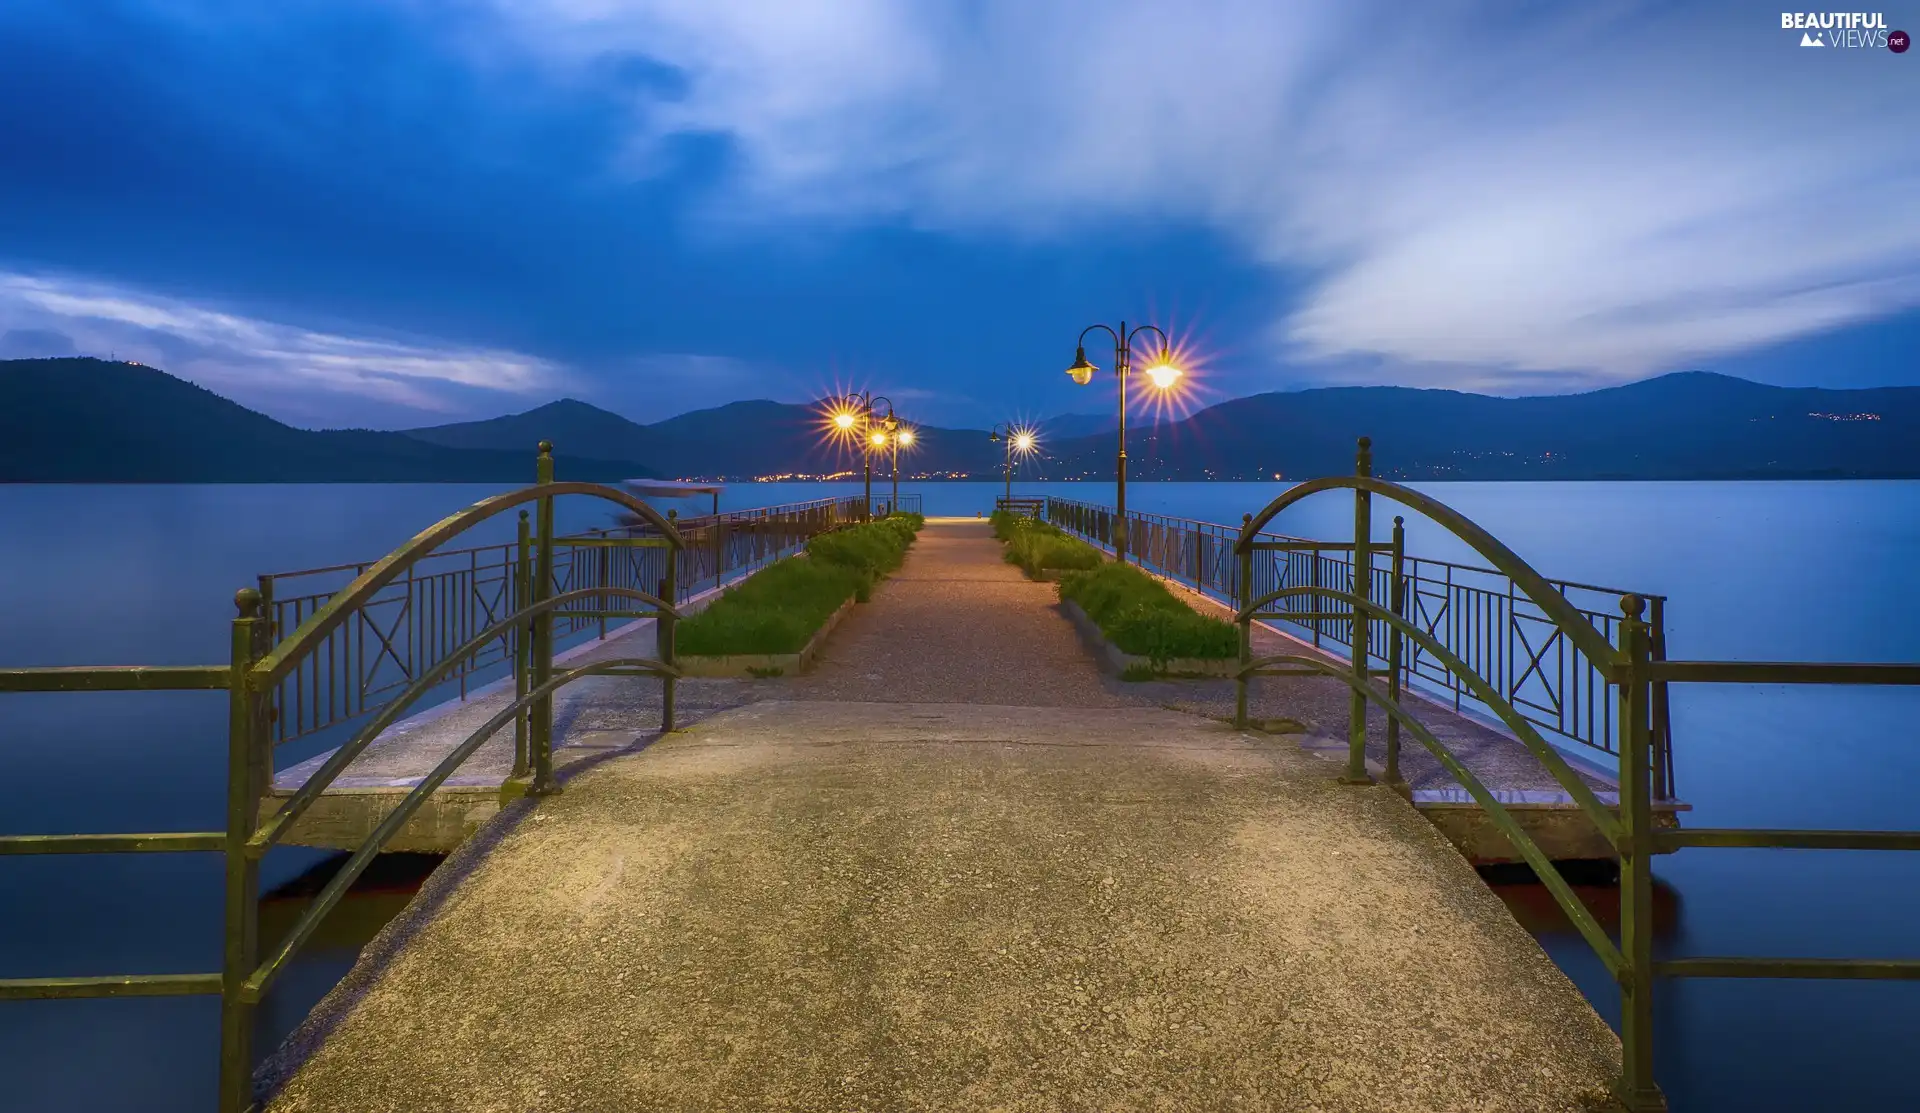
(77, 419)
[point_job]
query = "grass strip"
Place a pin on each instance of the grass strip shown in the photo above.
(1137, 613)
(779, 608)
(1038, 546)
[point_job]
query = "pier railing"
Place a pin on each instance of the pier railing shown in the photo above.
(1475, 611)
(908, 503)
(414, 624)
(261, 664)
(1628, 666)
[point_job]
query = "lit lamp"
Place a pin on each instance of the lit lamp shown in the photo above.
(1162, 374)
(853, 417)
(1021, 440)
(899, 437)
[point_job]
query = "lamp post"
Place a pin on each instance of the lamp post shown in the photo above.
(854, 414)
(899, 437)
(1015, 438)
(1162, 373)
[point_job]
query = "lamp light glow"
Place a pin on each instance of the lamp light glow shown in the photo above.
(1163, 374)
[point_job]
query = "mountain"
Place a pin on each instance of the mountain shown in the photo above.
(738, 441)
(1690, 425)
(1063, 427)
(89, 420)
(99, 421)
(584, 430)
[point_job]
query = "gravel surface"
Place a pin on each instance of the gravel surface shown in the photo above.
(953, 907)
(957, 624)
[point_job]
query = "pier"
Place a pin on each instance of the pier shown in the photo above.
(955, 864)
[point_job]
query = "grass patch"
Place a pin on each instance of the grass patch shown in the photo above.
(779, 608)
(1141, 617)
(1037, 546)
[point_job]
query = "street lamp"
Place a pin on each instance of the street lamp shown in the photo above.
(853, 415)
(1162, 374)
(1016, 439)
(899, 437)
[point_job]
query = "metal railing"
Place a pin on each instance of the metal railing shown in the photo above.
(413, 624)
(259, 667)
(1627, 664)
(1476, 612)
(1028, 508)
(908, 504)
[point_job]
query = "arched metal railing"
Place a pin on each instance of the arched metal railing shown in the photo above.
(1631, 669)
(258, 665)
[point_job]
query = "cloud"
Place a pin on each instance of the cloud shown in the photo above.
(1608, 189)
(294, 372)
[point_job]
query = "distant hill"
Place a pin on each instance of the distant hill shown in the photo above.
(89, 420)
(583, 429)
(738, 441)
(98, 421)
(1690, 425)
(1064, 427)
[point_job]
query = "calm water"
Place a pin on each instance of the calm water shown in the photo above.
(1754, 570)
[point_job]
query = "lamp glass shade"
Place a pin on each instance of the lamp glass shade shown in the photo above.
(1081, 371)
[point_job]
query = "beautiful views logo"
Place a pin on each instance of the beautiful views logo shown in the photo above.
(1847, 30)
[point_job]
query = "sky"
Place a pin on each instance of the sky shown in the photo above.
(391, 213)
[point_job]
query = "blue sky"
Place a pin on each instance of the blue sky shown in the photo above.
(396, 212)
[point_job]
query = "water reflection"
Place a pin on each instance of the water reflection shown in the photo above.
(1598, 887)
(375, 898)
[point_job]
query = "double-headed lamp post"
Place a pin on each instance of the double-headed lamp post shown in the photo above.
(1161, 373)
(1016, 439)
(898, 437)
(855, 416)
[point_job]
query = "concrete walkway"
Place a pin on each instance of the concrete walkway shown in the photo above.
(887, 889)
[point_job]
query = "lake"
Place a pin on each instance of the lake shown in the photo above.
(1754, 571)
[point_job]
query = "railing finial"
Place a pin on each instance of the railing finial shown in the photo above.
(1363, 458)
(546, 448)
(247, 599)
(1633, 606)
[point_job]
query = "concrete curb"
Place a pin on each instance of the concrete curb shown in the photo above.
(1118, 663)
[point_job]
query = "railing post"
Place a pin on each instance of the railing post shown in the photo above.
(663, 628)
(270, 615)
(1396, 645)
(247, 759)
(1636, 1088)
(1314, 561)
(540, 718)
(522, 649)
(1362, 589)
(1662, 713)
(606, 574)
(1242, 597)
